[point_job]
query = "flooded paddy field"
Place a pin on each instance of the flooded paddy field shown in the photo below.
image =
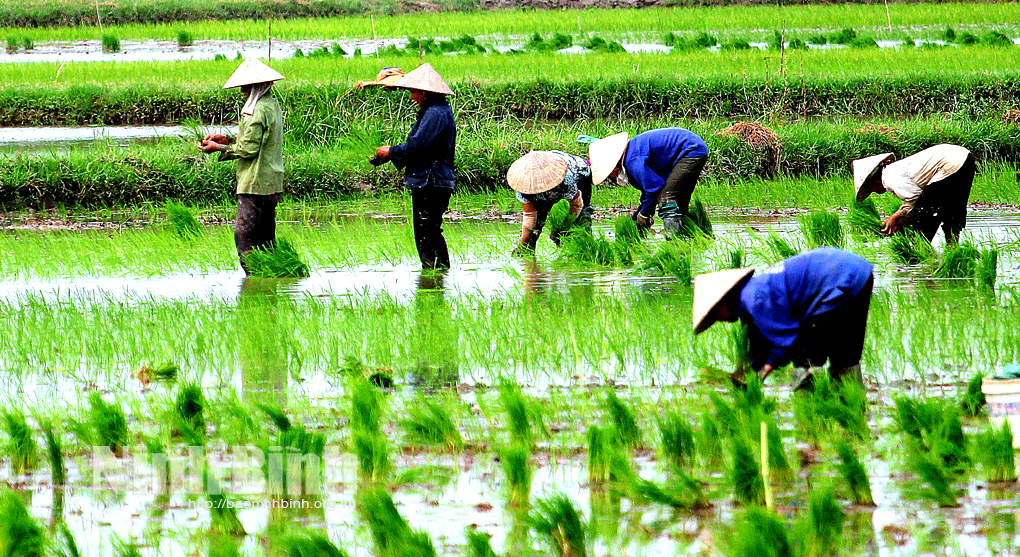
(467, 371)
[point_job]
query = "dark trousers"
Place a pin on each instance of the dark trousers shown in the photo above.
(428, 204)
(945, 203)
(256, 223)
(680, 187)
(543, 208)
(836, 335)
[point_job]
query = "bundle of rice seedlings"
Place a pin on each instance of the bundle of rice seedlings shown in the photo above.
(696, 222)
(559, 219)
(428, 422)
(843, 404)
(366, 406)
(852, 470)
(516, 463)
(863, 217)
(822, 228)
(958, 261)
(372, 453)
(65, 545)
(582, 246)
(677, 440)
(824, 524)
(165, 371)
(310, 544)
(181, 221)
(936, 479)
(627, 430)
(780, 247)
(737, 258)
(21, 447)
(278, 261)
(104, 424)
(709, 441)
(391, 534)
(478, 543)
(223, 515)
(973, 398)
(911, 248)
(20, 535)
(58, 472)
(111, 43)
(523, 415)
(763, 142)
(741, 350)
(779, 465)
(995, 450)
(607, 462)
(625, 232)
(759, 533)
(184, 39)
(672, 258)
(559, 523)
(936, 428)
(189, 406)
(987, 268)
(745, 475)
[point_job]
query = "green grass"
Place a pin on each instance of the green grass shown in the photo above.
(21, 448)
(428, 422)
(279, 261)
(561, 526)
(20, 535)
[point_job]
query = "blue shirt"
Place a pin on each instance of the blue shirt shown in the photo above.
(781, 298)
(652, 155)
(427, 155)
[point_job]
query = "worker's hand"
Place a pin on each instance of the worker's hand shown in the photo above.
(765, 371)
(892, 224)
(644, 222)
(383, 152)
(210, 146)
(216, 138)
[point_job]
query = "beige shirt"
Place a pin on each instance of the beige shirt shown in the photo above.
(907, 177)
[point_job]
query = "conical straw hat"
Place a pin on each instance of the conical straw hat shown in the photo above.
(536, 172)
(386, 77)
(710, 289)
(250, 72)
(604, 154)
(863, 168)
(424, 78)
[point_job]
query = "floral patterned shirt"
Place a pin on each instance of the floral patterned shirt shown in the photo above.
(578, 170)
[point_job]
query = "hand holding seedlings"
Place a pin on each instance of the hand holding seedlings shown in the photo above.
(207, 146)
(382, 154)
(892, 224)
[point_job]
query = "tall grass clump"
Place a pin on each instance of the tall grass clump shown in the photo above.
(20, 535)
(278, 261)
(627, 429)
(759, 533)
(111, 43)
(987, 268)
(745, 474)
(559, 219)
(103, 424)
(523, 415)
(516, 463)
(391, 534)
(557, 521)
(190, 408)
(672, 258)
(677, 440)
(973, 399)
(696, 222)
(428, 422)
(822, 228)
(310, 544)
(21, 446)
(911, 248)
(181, 221)
(995, 450)
(854, 474)
(958, 261)
(823, 525)
(863, 218)
(370, 445)
(184, 39)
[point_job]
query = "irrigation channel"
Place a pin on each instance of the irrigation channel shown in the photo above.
(88, 309)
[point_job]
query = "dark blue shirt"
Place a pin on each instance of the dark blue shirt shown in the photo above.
(427, 155)
(782, 297)
(651, 156)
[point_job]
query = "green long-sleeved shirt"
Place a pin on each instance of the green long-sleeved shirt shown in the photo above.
(258, 149)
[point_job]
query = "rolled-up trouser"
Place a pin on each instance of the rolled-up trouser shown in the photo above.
(428, 204)
(675, 197)
(255, 227)
(836, 335)
(944, 203)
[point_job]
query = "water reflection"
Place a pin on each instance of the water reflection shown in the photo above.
(435, 341)
(264, 344)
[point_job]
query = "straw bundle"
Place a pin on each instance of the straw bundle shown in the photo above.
(763, 142)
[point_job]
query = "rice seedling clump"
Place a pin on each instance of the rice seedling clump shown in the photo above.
(864, 218)
(996, 453)
(279, 261)
(181, 221)
(759, 533)
(20, 535)
(958, 261)
(854, 474)
(911, 248)
(21, 448)
(559, 219)
(822, 228)
(557, 521)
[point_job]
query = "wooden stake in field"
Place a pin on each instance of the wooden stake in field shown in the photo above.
(269, 50)
(99, 19)
(888, 18)
(765, 472)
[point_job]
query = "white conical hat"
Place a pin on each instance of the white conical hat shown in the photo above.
(424, 78)
(537, 172)
(863, 169)
(250, 72)
(604, 154)
(709, 290)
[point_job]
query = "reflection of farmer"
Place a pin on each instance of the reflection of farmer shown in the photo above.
(541, 178)
(664, 164)
(427, 160)
(258, 150)
(933, 184)
(807, 309)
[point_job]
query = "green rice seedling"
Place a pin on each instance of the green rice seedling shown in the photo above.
(995, 452)
(958, 261)
(935, 478)
(372, 452)
(672, 258)
(281, 260)
(677, 440)
(21, 446)
(12, 45)
(759, 533)
(823, 526)
(726, 416)
(745, 474)
(854, 474)
(20, 535)
(780, 247)
(559, 219)
(706, 40)
(391, 534)
(737, 258)
(987, 268)
(608, 465)
(428, 422)
(736, 44)
(478, 544)
(366, 406)
(165, 371)
(973, 399)
(741, 350)
(935, 425)
(863, 217)
(65, 544)
(104, 424)
(996, 38)
(181, 221)
(557, 521)
(126, 549)
(625, 232)
(696, 222)
(516, 463)
(822, 228)
(190, 406)
(111, 43)
(818, 40)
(798, 44)
(779, 465)
(338, 50)
(709, 441)
(598, 44)
(845, 35)
(58, 472)
(524, 417)
(279, 419)
(184, 39)
(843, 404)
(27, 44)
(627, 429)
(310, 544)
(911, 248)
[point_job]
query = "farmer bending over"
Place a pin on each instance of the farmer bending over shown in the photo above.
(933, 184)
(664, 164)
(541, 178)
(806, 309)
(258, 150)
